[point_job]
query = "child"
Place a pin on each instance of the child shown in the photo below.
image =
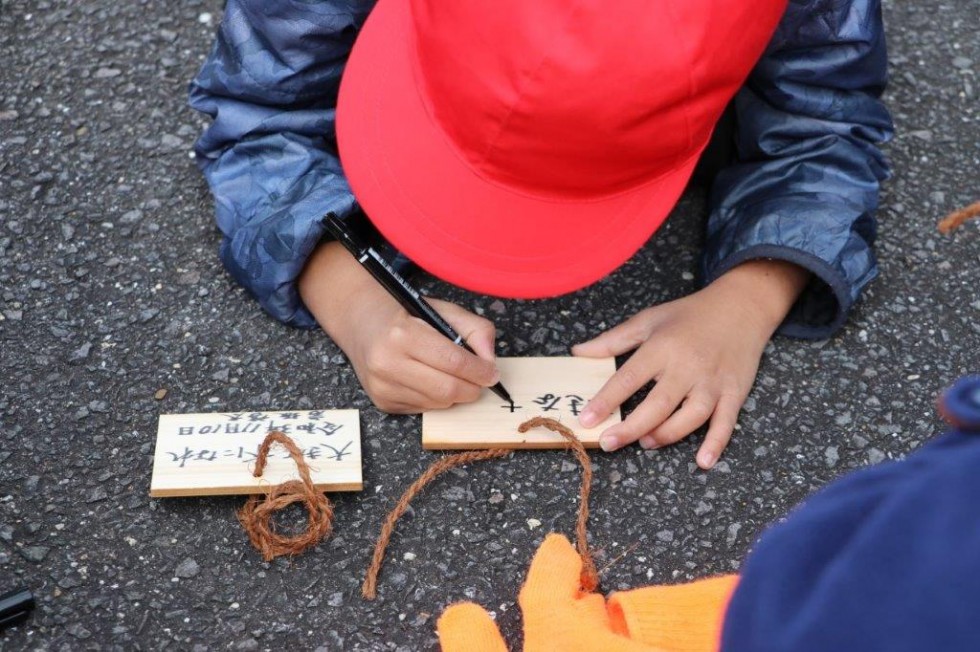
(468, 129)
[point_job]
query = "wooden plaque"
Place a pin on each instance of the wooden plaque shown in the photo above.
(214, 453)
(556, 387)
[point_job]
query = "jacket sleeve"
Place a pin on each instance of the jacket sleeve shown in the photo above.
(270, 84)
(804, 187)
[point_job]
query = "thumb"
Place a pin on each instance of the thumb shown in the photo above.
(555, 574)
(466, 627)
(478, 332)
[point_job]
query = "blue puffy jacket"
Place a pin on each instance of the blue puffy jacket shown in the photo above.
(804, 187)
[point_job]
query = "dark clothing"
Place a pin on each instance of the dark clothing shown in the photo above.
(887, 558)
(804, 187)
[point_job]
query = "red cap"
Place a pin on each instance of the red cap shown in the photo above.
(527, 148)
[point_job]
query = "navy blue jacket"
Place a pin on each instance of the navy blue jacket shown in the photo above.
(804, 188)
(887, 558)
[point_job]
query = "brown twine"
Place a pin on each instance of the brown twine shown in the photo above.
(590, 579)
(956, 219)
(255, 516)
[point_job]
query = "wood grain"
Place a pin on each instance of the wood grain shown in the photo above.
(211, 454)
(553, 387)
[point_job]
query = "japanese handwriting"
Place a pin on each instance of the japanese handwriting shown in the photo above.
(214, 452)
(321, 451)
(554, 402)
(547, 401)
(312, 422)
(239, 424)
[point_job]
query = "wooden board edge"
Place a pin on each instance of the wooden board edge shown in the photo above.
(245, 491)
(515, 445)
(436, 445)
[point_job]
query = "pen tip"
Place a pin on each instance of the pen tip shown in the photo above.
(500, 391)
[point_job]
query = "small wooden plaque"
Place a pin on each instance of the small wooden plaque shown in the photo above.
(556, 387)
(213, 453)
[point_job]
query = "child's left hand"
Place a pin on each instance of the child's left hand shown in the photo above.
(703, 351)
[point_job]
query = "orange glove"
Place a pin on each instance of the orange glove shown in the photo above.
(558, 616)
(680, 617)
(466, 627)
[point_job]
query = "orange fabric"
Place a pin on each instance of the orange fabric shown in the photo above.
(680, 618)
(559, 616)
(466, 627)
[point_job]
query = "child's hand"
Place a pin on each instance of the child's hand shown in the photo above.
(404, 364)
(703, 351)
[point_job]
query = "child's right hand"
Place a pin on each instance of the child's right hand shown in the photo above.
(404, 364)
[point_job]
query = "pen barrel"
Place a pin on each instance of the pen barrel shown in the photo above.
(408, 297)
(15, 606)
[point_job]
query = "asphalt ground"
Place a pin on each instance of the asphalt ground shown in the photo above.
(110, 289)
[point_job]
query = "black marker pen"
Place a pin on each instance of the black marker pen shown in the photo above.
(15, 607)
(398, 287)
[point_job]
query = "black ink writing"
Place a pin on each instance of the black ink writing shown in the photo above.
(323, 451)
(547, 401)
(554, 402)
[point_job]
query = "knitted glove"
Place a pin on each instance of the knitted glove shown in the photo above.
(559, 616)
(680, 617)
(466, 627)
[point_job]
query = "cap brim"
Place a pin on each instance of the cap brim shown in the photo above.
(460, 226)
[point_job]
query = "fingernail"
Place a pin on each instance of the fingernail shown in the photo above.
(707, 460)
(608, 443)
(648, 443)
(588, 418)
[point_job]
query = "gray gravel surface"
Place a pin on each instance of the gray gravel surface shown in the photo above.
(110, 290)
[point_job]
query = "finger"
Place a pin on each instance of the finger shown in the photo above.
(720, 431)
(397, 399)
(435, 350)
(627, 380)
(419, 387)
(555, 573)
(594, 611)
(478, 332)
(619, 339)
(663, 399)
(398, 408)
(441, 389)
(387, 379)
(693, 414)
(466, 627)
(408, 402)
